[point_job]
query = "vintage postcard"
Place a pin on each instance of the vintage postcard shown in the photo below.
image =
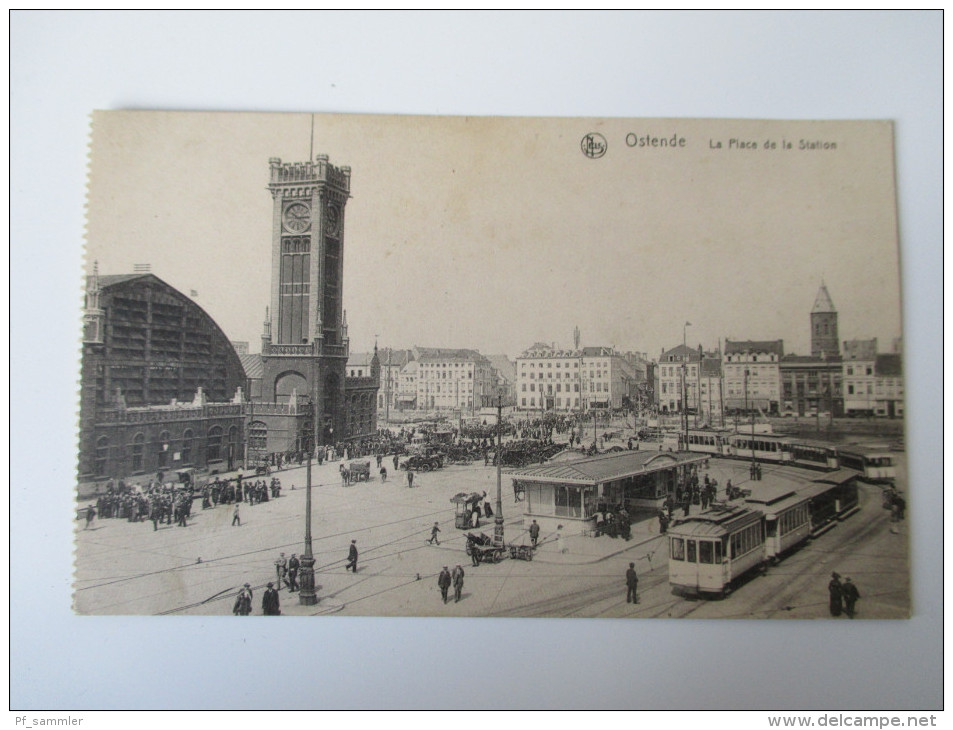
(472, 366)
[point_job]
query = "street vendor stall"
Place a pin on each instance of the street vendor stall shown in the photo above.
(464, 503)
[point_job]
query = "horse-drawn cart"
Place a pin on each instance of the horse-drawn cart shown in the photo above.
(481, 548)
(359, 471)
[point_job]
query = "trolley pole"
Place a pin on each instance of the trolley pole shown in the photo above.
(685, 383)
(306, 594)
(498, 519)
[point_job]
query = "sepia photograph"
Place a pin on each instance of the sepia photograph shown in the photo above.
(437, 366)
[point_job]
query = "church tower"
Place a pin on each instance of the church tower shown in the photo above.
(305, 343)
(824, 338)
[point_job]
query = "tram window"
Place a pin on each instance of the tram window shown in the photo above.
(692, 556)
(705, 552)
(678, 548)
(717, 547)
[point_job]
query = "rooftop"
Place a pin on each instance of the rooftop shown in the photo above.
(775, 346)
(823, 301)
(607, 468)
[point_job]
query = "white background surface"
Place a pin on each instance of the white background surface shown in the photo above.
(759, 65)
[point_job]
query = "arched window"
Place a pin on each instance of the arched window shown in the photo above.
(187, 440)
(102, 456)
(138, 447)
(214, 451)
(162, 450)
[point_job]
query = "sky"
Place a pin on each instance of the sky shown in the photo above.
(495, 233)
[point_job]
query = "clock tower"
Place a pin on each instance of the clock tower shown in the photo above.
(305, 342)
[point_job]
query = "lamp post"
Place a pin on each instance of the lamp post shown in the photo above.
(498, 519)
(306, 594)
(685, 382)
(754, 458)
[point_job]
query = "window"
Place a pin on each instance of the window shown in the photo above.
(187, 437)
(138, 445)
(692, 550)
(163, 449)
(568, 502)
(257, 435)
(214, 451)
(706, 552)
(677, 548)
(102, 456)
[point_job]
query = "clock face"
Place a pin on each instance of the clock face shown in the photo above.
(297, 217)
(333, 220)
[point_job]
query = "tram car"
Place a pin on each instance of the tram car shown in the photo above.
(763, 446)
(709, 552)
(813, 454)
(832, 498)
(873, 466)
(708, 441)
(787, 517)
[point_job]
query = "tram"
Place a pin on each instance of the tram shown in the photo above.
(813, 454)
(710, 551)
(833, 498)
(762, 446)
(787, 518)
(873, 466)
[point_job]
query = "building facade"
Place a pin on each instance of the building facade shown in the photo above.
(392, 362)
(812, 386)
(551, 379)
(752, 375)
(161, 385)
(453, 379)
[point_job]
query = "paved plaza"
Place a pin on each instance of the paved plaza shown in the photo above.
(127, 568)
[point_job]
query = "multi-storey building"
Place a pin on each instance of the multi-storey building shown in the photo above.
(812, 385)
(548, 378)
(752, 375)
(889, 386)
(859, 364)
(505, 378)
(702, 389)
(457, 379)
(407, 386)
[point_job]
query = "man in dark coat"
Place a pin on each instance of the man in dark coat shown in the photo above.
(352, 557)
(851, 594)
(294, 565)
(836, 591)
(457, 583)
(443, 581)
(632, 585)
(269, 602)
(534, 533)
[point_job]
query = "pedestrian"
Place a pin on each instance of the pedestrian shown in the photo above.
(281, 569)
(352, 557)
(410, 478)
(433, 533)
(269, 602)
(396, 462)
(90, 514)
(243, 601)
(851, 594)
(836, 591)
(294, 565)
(662, 522)
(457, 577)
(383, 474)
(236, 517)
(560, 543)
(632, 585)
(534, 533)
(443, 581)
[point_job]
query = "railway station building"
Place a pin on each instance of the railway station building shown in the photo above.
(161, 385)
(571, 493)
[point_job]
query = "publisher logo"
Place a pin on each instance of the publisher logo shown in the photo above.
(594, 145)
